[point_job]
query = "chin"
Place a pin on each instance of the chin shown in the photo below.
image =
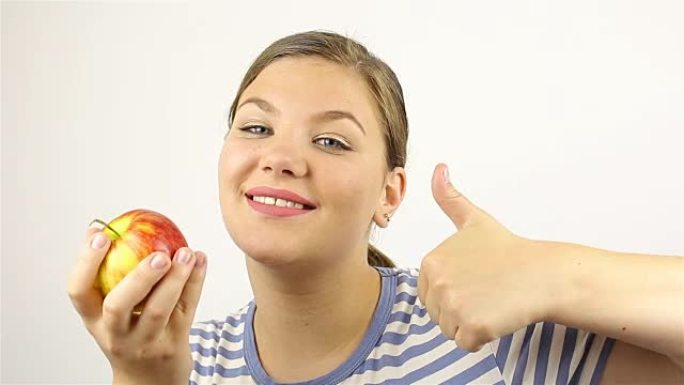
(266, 251)
(270, 260)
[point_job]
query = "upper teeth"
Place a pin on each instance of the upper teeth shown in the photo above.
(277, 202)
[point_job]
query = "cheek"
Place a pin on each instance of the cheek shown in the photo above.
(236, 155)
(234, 162)
(353, 186)
(233, 167)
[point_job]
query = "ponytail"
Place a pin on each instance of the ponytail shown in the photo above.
(377, 258)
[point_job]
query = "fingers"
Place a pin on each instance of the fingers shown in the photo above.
(428, 297)
(165, 297)
(85, 297)
(427, 294)
(432, 305)
(422, 285)
(133, 288)
(189, 299)
(447, 325)
(438, 305)
(468, 340)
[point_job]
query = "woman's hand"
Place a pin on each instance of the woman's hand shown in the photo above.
(152, 347)
(483, 282)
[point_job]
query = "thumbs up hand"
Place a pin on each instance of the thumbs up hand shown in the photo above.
(483, 282)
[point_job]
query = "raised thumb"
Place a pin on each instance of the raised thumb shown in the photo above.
(454, 204)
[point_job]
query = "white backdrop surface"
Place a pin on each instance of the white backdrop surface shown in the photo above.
(564, 120)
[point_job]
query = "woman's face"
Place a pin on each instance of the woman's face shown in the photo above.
(309, 127)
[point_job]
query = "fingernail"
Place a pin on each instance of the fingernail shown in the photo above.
(159, 261)
(201, 259)
(99, 241)
(445, 174)
(184, 256)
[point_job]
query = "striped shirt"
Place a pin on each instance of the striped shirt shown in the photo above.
(403, 346)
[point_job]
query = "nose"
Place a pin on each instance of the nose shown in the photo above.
(283, 158)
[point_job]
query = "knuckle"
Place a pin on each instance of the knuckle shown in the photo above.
(445, 331)
(111, 310)
(74, 294)
(156, 353)
(442, 285)
(466, 342)
(116, 349)
(478, 330)
(154, 314)
(167, 354)
(74, 289)
(470, 323)
(439, 285)
(146, 352)
(428, 263)
(451, 302)
(446, 296)
(182, 307)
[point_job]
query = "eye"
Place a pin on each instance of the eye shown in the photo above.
(327, 142)
(256, 130)
(332, 143)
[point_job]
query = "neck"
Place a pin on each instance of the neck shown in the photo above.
(313, 313)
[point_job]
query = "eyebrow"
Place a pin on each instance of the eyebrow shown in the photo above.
(325, 115)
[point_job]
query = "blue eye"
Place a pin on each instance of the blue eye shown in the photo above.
(257, 130)
(327, 142)
(332, 143)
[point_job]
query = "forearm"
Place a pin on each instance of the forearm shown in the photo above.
(153, 376)
(636, 298)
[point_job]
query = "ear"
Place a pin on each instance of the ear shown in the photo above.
(391, 197)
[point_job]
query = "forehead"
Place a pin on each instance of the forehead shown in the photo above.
(309, 84)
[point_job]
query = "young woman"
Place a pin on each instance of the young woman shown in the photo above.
(313, 159)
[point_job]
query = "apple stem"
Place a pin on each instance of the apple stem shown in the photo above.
(105, 225)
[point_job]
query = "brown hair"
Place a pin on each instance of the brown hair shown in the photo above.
(381, 81)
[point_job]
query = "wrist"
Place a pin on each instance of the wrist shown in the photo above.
(119, 378)
(171, 372)
(566, 278)
(146, 382)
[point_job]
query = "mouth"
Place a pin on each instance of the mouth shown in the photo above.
(279, 202)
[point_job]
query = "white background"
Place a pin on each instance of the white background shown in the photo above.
(562, 119)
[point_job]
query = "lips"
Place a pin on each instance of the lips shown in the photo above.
(282, 194)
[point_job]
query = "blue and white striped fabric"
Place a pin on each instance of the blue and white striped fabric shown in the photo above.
(403, 346)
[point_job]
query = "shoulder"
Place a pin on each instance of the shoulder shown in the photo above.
(407, 316)
(411, 348)
(402, 274)
(217, 349)
(547, 352)
(405, 280)
(211, 333)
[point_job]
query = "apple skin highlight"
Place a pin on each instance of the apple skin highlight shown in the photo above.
(135, 235)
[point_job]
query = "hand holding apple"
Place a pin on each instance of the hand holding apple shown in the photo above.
(135, 235)
(148, 347)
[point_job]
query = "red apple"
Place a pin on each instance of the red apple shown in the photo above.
(135, 235)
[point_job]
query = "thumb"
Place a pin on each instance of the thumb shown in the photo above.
(455, 205)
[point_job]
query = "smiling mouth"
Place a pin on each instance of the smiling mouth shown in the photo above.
(279, 202)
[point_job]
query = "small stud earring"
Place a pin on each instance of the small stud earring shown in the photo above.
(387, 216)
